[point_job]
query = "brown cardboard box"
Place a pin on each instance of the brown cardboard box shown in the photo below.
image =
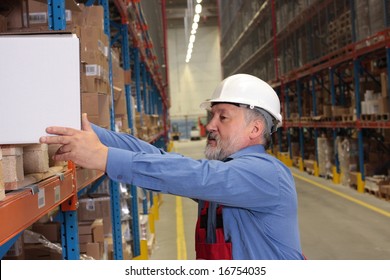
(383, 106)
(12, 163)
(35, 158)
(85, 238)
(338, 111)
(94, 84)
(120, 104)
(96, 206)
(94, 16)
(92, 249)
(384, 85)
(36, 252)
(92, 227)
(52, 231)
(93, 38)
(327, 111)
(96, 105)
(38, 17)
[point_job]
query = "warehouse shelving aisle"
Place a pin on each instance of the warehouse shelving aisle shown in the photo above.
(329, 61)
(118, 57)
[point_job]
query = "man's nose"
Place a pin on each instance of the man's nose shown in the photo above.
(211, 125)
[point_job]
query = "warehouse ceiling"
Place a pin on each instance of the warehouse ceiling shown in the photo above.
(176, 11)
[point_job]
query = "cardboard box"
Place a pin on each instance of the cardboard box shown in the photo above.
(51, 230)
(93, 38)
(120, 104)
(96, 206)
(85, 238)
(35, 158)
(94, 228)
(92, 249)
(384, 85)
(37, 19)
(96, 105)
(50, 92)
(12, 163)
(94, 16)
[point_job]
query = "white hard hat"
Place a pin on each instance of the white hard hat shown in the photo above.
(247, 90)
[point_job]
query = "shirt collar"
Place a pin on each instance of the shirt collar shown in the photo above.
(248, 150)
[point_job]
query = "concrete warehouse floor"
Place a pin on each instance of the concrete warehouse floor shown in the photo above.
(336, 222)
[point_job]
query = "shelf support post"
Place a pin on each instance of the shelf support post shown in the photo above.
(301, 140)
(56, 14)
(313, 91)
(126, 68)
(336, 169)
(114, 186)
(356, 73)
(388, 69)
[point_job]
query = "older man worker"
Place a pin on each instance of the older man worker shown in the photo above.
(247, 198)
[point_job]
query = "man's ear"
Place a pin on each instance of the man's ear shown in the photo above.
(257, 129)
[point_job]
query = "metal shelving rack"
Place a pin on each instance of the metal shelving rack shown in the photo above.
(293, 46)
(62, 190)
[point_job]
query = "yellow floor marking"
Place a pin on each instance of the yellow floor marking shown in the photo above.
(180, 237)
(347, 197)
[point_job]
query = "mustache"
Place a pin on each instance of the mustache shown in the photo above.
(212, 136)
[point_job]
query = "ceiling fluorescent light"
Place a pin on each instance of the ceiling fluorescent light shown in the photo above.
(198, 8)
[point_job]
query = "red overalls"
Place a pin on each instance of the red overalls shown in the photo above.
(220, 250)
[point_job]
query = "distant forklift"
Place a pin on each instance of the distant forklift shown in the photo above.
(175, 132)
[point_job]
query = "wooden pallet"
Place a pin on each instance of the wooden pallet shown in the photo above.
(347, 118)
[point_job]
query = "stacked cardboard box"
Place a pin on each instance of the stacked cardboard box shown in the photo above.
(12, 166)
(51, 231)
(95, 86)
(96, 206)
(35, 158)
(91, 238)
(120, 104)
(33, 17)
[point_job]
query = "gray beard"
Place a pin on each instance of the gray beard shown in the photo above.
(222, 150)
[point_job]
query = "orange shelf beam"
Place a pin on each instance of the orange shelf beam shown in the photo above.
(20, 209)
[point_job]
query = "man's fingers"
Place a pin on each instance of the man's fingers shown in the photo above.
(54, 140)
(60, 130)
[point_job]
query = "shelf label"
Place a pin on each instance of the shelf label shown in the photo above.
(57, 194)
(41, 198)
(90, 206)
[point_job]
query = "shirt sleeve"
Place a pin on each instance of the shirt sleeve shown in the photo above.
(124, 141)
(245, 182)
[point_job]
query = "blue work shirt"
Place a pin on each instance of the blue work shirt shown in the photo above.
(256, 190)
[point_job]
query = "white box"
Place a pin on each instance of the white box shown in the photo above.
(39, 85)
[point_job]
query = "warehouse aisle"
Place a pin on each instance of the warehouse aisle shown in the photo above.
(336, 222)
(176, 227)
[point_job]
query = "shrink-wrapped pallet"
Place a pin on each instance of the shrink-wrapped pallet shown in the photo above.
(325, 156)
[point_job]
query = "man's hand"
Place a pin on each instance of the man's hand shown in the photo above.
(83, 147)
